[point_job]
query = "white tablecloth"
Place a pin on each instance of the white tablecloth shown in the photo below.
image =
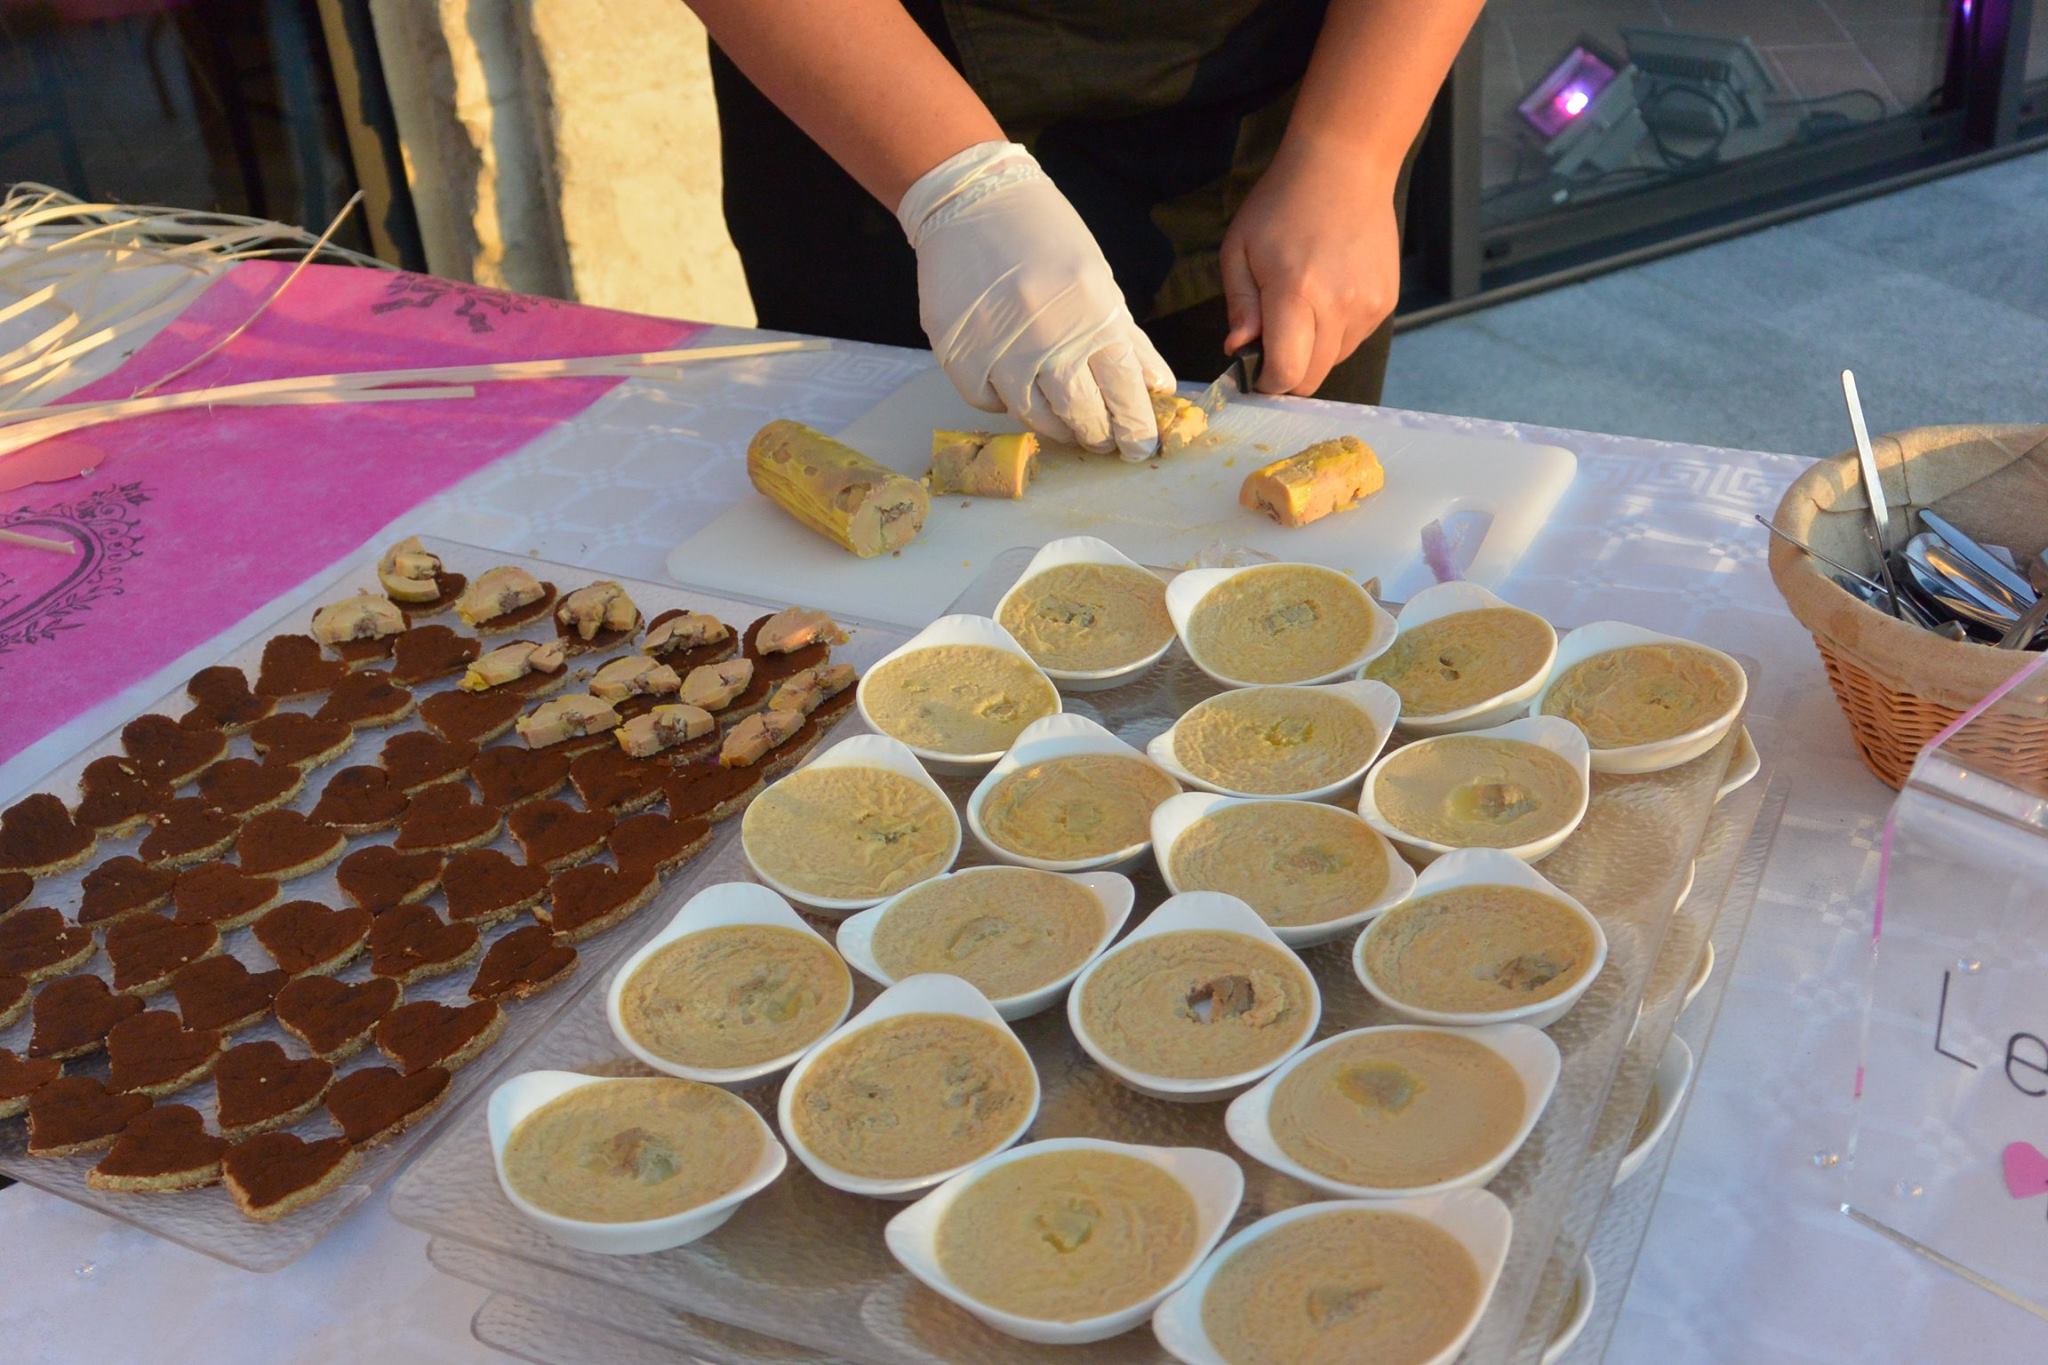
(1747, 1259)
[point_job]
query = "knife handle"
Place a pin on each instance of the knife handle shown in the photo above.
(1248, 360)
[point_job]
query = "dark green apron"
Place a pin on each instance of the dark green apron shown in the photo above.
(1155, 119)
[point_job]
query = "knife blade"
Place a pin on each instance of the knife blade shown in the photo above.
(1237, 379)
(1977, 556)
(1873, 488)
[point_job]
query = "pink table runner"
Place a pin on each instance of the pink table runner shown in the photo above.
(193, 519)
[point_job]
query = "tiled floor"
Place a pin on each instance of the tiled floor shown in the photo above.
(1936, 296)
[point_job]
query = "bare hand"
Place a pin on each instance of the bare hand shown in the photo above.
(1311, 265)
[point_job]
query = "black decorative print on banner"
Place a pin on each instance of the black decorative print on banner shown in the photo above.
(473, 303)
(108, 530)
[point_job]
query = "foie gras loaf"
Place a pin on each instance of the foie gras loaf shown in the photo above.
(1329, 476)
(835, 490)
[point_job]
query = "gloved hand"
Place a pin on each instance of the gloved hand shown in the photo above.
(1021, 308)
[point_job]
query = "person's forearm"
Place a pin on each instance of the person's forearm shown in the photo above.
(860, 77)
(1376, 69)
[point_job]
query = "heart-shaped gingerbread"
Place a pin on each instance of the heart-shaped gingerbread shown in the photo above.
(300, 740)
(362, 653)
(377, 1103)
(509, 776)
(610, 779)
(120, 887)
(411, 943)
(553, 835)
(428, 652)
(286, 845)
(417, 759)
(657, 842)
(167, 1148)
(710, 791)
(379, 876)
(293, 666)
(39, 838)
(219, 992)
(525, 962)
(476, 717)
(484, 886)
(586, 901)
(72, 1015)
(155, 1054)
(366, 700)
(169, 753)
(21, 1077)
(39, 942)
(360, 800)
(426, 1033)
(13, 998)
(242, 786)
(260, 1086)
(221, 700)
(14, 889)
(306, 936)
(334, 1018)
(188, 831)
(74, 1114)
(445, 819)
(115, 795)
(275, 1174)
(148, 950)
(222, 895)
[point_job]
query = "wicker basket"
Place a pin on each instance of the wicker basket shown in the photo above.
(1899, 685)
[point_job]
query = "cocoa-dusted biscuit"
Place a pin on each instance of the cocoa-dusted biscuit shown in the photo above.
(360, 800)
(585, 901)
(38, 942)
(72, 1014)
(306, 936)
(334, 1018)
(169, 753)
(260, 1086)
(293, 666)
(610, 779)
(425, 653)
(165, 1148)
(242, 786)
(524, 962)
(367, 701)
(445, 819)
(21, 1077)
(188, 831)
(222, 895)
(360, 654)
(13, 998)
(221, 700)
(776, 665)
(14, 889)
(708, 791)
(683, 658)
(287, 845)
(659, 843)
(411, 943)
(222, 993)
(301, 740)
(275, 1174)
(379, 876)
(376, 1103)
(115, 796)
(155, 1054)
(424, 1033)
(416, 760)
(38, 837)
(484, 886)
(120, 887)
(509, 776)
(75, 1114)
(477, 717)
(148, 950)
(555, 835)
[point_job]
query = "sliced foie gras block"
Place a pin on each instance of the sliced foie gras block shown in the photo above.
(665, 728)
(531, 667)
(982, 464)
(414, 577)
(821, 692)
(851, 500)
(596, 617)
(775, 736)
(1329, 476)
(504, 598)
(636, 675)
(795, 637)
(1180, 421)
(359, 629)
(573, 717)
(684, 639)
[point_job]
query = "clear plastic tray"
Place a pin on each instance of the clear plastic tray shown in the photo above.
(806, 1263)
(206, 1220)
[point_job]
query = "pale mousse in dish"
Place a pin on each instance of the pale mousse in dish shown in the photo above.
(1197, 1004)
(735, 996)
(1269, 741)
(1281, 623)
(1295, 862)
(1464, 659)
(849, 833)
(958, 699)
(1076, 806)
(1478, 791)
(628, 1150)
(1641, 694)
(1004, 930)
(1087, 618)
(1478, 949)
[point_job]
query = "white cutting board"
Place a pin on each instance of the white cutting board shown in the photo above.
(1164, 515)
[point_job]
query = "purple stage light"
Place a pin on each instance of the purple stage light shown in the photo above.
(1567, 92)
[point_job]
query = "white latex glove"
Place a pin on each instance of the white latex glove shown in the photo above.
(1021, 308)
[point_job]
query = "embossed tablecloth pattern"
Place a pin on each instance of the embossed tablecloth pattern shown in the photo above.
(1746, 1261)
